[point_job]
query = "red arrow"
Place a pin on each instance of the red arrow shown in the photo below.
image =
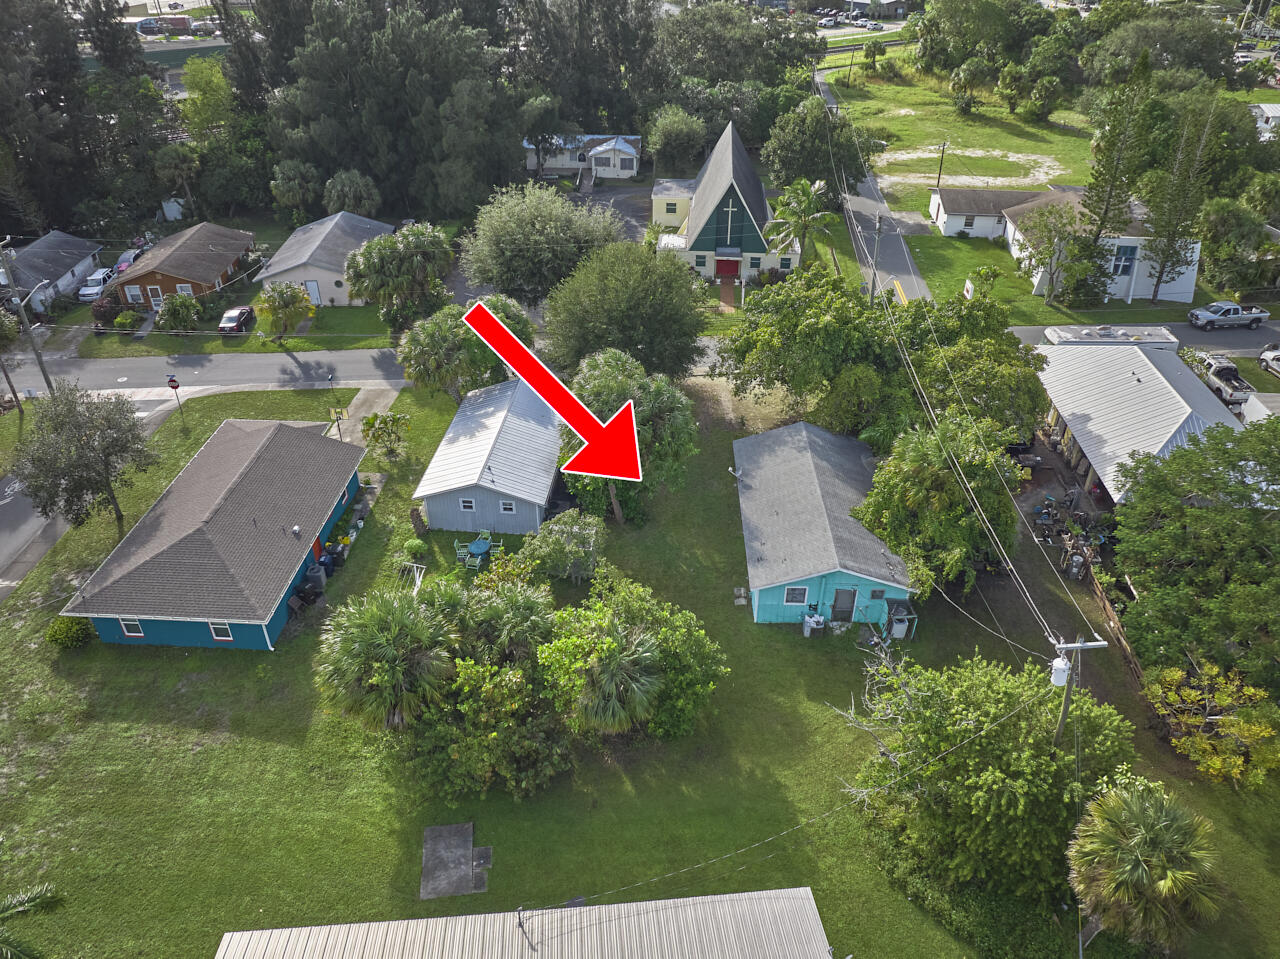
(612, 450)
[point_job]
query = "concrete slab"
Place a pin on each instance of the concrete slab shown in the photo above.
(447, 862)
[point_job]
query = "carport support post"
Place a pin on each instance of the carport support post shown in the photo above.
(6, 255)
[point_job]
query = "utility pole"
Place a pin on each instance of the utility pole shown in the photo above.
(875, 259)
(941, 156)
(6, 254)
(1064, 674)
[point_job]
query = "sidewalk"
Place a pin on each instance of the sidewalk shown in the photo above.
(370, 399)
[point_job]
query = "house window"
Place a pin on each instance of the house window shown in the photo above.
(133, 294)
(221, 631)
(796, 595)
(626, 163)
(755, 263)
(603, 161)
(184, 288)
(343, 498)
(700, 259)
(582, 158)
(968, 222)
(130, 627)
(671, 208)
(467, 505)
(506, 506)
(877, 594)
(338, 284)
(1122, 261)
(785, 263)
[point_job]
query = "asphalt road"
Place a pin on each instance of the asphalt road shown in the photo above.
(19, 522)
(1236, 342)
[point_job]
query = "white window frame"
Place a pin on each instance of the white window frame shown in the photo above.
(784, 263)
(699, 259)
(125, 629)
(754, 263)
(969, 222)
(466, 504)
(186, 288)
(343, 498)
(506, 506)
(877, 594)
(1122, 263)
(133, 294)
(626, 163)
(602, 161)
(671, 209)
(804, 601)
(215, 624)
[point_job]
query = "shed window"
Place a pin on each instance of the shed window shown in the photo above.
(221, 631)
(877, 594)
(130, 627)
(467, 505)
(700, 259)
(184, 288)
(506, 506)
(784, 263)
(671, 208)
(968, 222)
(796, 595)
(755, 263)
(626, 163)
(133, 294)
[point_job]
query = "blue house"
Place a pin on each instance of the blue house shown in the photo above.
(805, 553)
(215, 560)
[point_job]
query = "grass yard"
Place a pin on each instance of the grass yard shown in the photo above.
(12, 426)
(174, 794)
(946, 262)
(977, 166)
(1258, 378)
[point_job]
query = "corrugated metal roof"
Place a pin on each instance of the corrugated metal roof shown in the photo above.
(219, 542)
(796, 485)
(503, 438)
(325, 243)
(769, 924)
(1126, 399)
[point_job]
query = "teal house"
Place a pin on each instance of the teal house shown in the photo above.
(214, 562)
(806, 555)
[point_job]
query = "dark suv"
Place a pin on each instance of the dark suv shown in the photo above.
(238, 319)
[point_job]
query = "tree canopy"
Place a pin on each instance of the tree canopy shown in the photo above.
(811, 143)
(442, 352)
(403, 272)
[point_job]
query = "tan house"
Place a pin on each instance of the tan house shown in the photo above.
(196, 261)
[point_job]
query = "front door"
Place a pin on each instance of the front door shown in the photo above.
(727, 267)
(842, 605)
(156, 297)
(313, 291)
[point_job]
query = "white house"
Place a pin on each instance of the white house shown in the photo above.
(608, 156)
(1267, 116)
(315, 256)
(61, 259)
(720, 218)
(1132, 274)
(1110, 403)
(975, 212)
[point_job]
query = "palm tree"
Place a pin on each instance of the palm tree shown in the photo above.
(31, 899)
(284, 305)
(384, 657)
(507, 620)
(1144, 864)
(399, 266)
(620, 682)
(654, 231)
(798, 214)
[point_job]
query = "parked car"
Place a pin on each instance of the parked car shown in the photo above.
(1225, 380)
(175, 5)
(861, 22)
(1269, 358)
(127, 259)
(1225, 313)
(149, 27)
(1246, 45)
(238, 319)
(826, 22)
(204, 28)
(875, 26)
(94, 284)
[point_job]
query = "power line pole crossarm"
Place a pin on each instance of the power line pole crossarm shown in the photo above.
(1064, 673)
(10, 272)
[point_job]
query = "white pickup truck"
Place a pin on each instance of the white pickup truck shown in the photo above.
(1226, 313)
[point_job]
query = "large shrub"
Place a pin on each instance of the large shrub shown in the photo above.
(70, 632)
(179, 313)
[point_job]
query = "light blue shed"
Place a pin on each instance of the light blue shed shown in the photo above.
(805, 553)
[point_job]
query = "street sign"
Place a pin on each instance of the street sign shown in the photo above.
(173, 383)
(968, 289)
(338, 413)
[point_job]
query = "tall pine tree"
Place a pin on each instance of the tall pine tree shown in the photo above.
(1118, 154)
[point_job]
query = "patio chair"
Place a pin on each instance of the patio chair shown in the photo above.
(485, 534)
(473, 563)
(463, 554)
(495, 545)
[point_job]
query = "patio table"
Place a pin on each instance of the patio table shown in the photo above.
(478, 547)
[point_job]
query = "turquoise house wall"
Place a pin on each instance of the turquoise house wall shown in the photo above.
(768, 605)
(743, 232)
(176, 632)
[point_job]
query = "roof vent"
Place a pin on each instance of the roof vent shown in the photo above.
(297, 530)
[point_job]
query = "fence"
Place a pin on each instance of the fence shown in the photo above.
(1113, 624)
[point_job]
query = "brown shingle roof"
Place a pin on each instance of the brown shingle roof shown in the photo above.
(219, 543)
(201, 254)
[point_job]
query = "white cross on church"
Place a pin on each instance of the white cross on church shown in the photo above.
(728, 226)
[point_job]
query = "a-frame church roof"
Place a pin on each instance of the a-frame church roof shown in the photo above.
(728, 164)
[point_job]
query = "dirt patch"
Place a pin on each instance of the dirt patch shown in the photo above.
(1042, 169)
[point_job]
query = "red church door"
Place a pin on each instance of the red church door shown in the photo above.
(727, 267)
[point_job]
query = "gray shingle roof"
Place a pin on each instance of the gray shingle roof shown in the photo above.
(49, 258)
(503, 438)
(769, 924)
(727, 164)
(219, 542)
(796, 485)
(1125, 399)
(983, 202)
(325, 243)
(1072, 196)
(201, 253)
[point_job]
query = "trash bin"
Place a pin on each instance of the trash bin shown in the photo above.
(806, 627)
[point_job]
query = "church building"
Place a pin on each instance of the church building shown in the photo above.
(720, 217)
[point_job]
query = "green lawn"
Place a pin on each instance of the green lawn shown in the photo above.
(975, 166)
(12, 426)
(333, 328)
(946, 262)
(174, 794)
(1261, 380)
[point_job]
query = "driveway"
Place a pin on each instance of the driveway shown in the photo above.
(633, 204)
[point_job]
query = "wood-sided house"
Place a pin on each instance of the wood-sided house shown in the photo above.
(214, 562)
(720, 217)
(196, 261)
(805, 553)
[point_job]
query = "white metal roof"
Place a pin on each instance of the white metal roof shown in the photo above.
(504, 438)
(1266, 109)
(1126, 399)
(1153, 337)
(769, 924)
